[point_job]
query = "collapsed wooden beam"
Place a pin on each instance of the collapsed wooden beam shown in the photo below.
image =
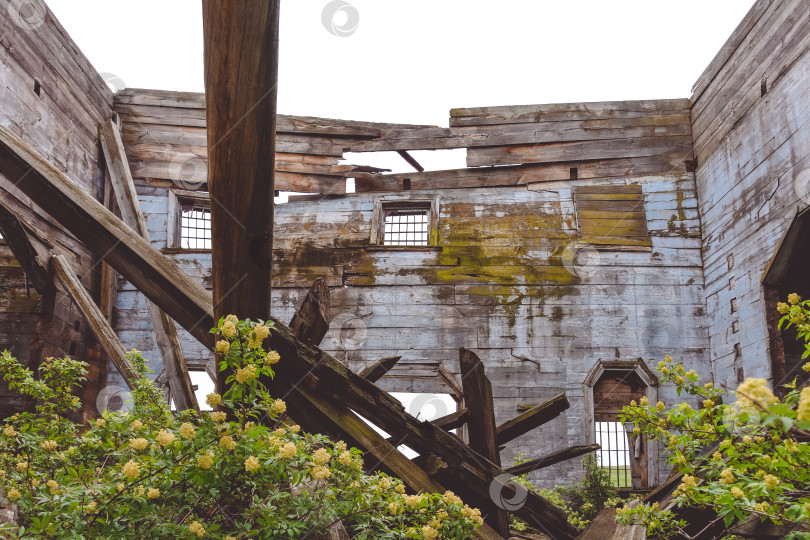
(311, 322)
(551, 459)
(453, 420)
(411, 160)
(151, 272)
(174, 363)
(534, 417)
(375, 371)
(482, 434)
(100, 326)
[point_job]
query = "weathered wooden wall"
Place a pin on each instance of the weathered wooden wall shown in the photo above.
(502, 279)
(54, 99)
(752, 142)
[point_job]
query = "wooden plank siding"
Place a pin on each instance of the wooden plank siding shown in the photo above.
(752, 142)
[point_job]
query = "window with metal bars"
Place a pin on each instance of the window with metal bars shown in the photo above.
(406, 226)
(615, 452)
(195, 226)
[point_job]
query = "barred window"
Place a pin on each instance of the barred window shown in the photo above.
(406, 226)
(195, 226)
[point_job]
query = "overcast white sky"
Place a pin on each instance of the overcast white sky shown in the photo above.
(412, 61)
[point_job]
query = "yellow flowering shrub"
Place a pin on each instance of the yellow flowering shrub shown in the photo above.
(243, 471)
(761, 461)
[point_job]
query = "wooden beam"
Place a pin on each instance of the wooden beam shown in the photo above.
(411, 160)
(109, 277)
(137, 260)
(551, 459)
(534, 417)
(482, 435)
(14, 233)
(101, 328)
(311, 322)
(453, 420)
(241, 73)
(375, 371)
(174, 363)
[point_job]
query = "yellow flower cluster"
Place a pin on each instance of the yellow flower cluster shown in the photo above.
(246, 373)
(137, 425)
(205, 461)
(763, 507)
(385, 483)
(259, 334)
(153, 493)
(13, 494)
(100, 422)
(226, 442)
(139, 444)
(321, 456)
(8, 431)
(272, 358)
(686, 483)
(770, 481)
(131, 470)
(644, 401)
(429, 533)
(737, 493)
(754, 389)
(803, 409)
(48, 446)
(164, 438)
(287, 451)
(782, 308)
(187, 430)
(451, 498)
(473, 514)
(413, 500)
(53, 486)
(660, 407)
(218, 416)
(794, 298)
(229, 329)
(727, 476)
(213, 399)
(222, 346)
(319, 472)
(22, 466)
(252, 464)
(196, 528)
(278, 407)
(395, 509)
(345, 458)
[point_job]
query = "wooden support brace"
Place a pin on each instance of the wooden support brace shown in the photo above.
(551, 459)
(101, 328)
(375, 371)
(165, 331)
(137, 260)
(482, 434)
(411, 160)
(311, 322)
(534, 417)
(14, 233)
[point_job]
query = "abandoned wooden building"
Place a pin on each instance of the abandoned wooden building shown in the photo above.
(582, 243)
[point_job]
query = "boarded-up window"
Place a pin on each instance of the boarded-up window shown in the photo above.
(612, 216)
(623, 456)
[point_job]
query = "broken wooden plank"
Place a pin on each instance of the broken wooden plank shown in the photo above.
(168, 343)
(411, 161)
(14, 233)
(551, 459)
(375, 371)
(534, 417)
(241, 74)
(101, 328)
(453, 420)
(481, 432)
(311, 322)
(590, 150)
(96, 227)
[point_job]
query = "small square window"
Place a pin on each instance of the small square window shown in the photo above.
(195, 226)
(404, 223)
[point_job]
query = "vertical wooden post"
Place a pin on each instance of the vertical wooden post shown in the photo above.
(481, 427)
(241, 73)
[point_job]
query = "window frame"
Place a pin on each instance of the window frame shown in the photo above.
(177, 197)
(383, 204)
(650, 381)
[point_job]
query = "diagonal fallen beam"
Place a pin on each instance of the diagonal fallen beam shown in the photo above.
(311, 322)
(174, 363)
(452, 420)
(137, 260)
(100, 326)
(14, 233)
(534, 417)
(553, 458)
(378, 369)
